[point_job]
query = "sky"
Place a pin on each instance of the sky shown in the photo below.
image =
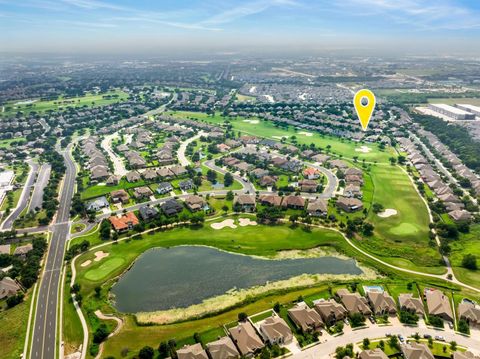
(445, 27)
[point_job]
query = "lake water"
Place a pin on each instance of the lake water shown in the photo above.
(165, 278)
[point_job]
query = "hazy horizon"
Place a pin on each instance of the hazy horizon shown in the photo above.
(445, 27)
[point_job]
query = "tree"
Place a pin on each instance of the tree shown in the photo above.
(366, 343)
(469, 261)
(146, 353)
(242, 316)
(392, 160)
(463, 326)
(276, 307)
(212, 176)
(105, 229)
(100, 334)
(377, 208)
(453, 346)
(229, 196)
(14, 300)
(163, 350)
(393, 342)
(228, 179)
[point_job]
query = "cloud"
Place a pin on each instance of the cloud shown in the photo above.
(246, 9)
(428, 15)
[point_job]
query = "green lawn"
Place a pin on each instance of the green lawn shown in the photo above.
(89, 100)
(102, 271)
(7, 143)
(72, 328)
(14, 328)
(100, 190)
(468, 243)
(401, 239)
(266, 129)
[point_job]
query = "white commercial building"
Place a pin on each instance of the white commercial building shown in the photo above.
(452, 112)
(469, 108)
(6, 178)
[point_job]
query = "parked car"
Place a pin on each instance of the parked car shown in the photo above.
(439, 338)
(427, 336)
(372, 320)
(401, 338)
(450, 325)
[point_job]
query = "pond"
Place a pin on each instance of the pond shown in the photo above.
(165, 278)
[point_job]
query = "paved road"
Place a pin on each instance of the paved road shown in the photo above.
(325, 349)
(183, 147)
(24, 197)
(43, 345)
(42, 181)
(118, 165)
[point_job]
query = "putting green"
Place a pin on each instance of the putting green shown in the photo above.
(404, 229)
(102, 271)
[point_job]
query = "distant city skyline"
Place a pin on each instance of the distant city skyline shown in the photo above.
(105, 26)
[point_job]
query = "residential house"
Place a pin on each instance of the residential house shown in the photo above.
(246, 339)
(409, 303)
(164, 188)
(171, 207)
(142, 192)
(372, 354)
(320, 158)
(5, 249)
(415, 350)
(352, 190)
(194, 351)
(113, 180)
(186, 185)
(338, 164)
(149, 174)
(97, 204)
(438, 304)
(349, 204)
(164, 172)
(382, 303)
(178, 170)
(311, 173)
(276, 331)
(21, 251)
(120, 196)
(308, 185)
(294, 202)
(259, 172)
(305, 318)
(469, 312)
(133, 176)
(460, 215)
(124, 222)
(330, 311)
(317, 208)
(268, 181)
(223, 348)
(147, 213)
(99, 173)
(8, 288)
(354, 302)
(195, 203)
(246, 202)
(270, 200)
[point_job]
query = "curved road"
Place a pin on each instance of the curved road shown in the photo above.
(24, 198)
(43, 342)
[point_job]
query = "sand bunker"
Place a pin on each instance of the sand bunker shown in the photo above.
(308, 134)
(253, 122)
(86, 263)
(223, 224)
(100, 255)
(246, 222)
(279, 137)
(363, 149)
(388, 213)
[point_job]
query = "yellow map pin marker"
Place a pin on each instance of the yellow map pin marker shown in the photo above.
(364, 112)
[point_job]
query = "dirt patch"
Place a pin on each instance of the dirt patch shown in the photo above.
(99, 255)
(86, 263)
(363, 149)
(226, 223)
(246, 222)
(388, 213)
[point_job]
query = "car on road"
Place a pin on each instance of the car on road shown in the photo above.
(439, 338)
(401, 338)
(372, 320)
(427, 336)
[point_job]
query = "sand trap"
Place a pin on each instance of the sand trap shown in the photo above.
(388, 213)
(100, 255)
(246, 222)
(279, 137)
(308, 134)
(223, 224)
(253, 122)
(86, 263)
(363, 149)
